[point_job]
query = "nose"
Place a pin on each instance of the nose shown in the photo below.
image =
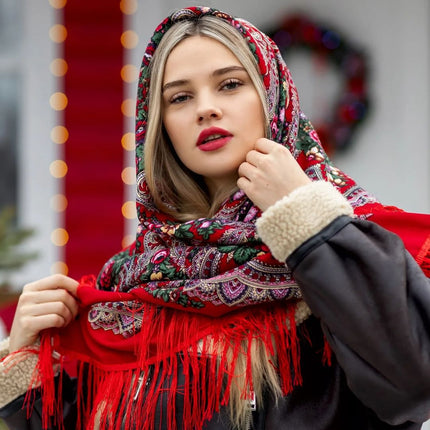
(208, 108)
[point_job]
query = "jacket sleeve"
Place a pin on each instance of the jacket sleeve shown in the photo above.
(16, 372)
(373, 300)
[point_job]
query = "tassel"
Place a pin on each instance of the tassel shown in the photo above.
(423, 257)
(216, 360)
(426, 266)
(43, 376)
(327, 353)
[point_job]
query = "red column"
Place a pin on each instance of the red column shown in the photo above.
(94, 120)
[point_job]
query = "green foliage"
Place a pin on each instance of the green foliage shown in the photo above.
(241, 254)
(11, 257)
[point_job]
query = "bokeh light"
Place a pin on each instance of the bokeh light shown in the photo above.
(58, 67)
(128, 7)
(59, 134)
(129, 39)
(128, 141)
(128, 107)
(129, 210)
(128, 175)
(129, 73)
(59, 267)
(59, 202)
(58, 101)
(58, 169)
(58, 4)
(59, 237)
(58, 33)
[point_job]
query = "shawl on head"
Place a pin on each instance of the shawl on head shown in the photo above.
(197, 293)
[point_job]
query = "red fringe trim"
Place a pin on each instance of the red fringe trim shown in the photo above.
(111, 398)
(423, 257)
(43, 376)
(327, 353)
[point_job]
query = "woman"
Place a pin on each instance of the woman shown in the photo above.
(200, 324)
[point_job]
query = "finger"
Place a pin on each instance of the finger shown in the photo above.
(52, 308)
(43, 296)
(52, 311)
(62, 297)
(254, 157)
(31, 298)
(32, 326)
(26, 327)
(243, 183)
(246, 169)
(264, 145)
(268, 147)
(54, 282)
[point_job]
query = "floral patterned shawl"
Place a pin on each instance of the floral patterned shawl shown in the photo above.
(185, 292)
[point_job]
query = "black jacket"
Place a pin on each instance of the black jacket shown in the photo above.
(372, 302)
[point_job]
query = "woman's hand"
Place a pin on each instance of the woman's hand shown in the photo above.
(269, 173)
(49, 302)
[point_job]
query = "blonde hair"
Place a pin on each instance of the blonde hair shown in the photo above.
(175, 189)
(181, 193)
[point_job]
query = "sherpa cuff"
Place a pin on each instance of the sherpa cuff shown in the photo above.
(291, 221)
(16, 371)
(4, 348)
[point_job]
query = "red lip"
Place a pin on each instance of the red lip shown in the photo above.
(208, 132)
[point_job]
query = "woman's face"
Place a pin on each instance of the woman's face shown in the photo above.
(211, 110)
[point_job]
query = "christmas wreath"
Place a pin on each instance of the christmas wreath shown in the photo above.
(352, 106)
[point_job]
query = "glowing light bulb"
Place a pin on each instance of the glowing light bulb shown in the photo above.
(129, 39)
(59, 134)
(58, 101)
(60, 267)
(128, 141)
(129, 73)
(128, 175)
(58, 67)
(59, 203)
(128, 7)
(129, 210)
(127, 108)
(58, 169)
(59, 237)
(58, 4)
(58, 33)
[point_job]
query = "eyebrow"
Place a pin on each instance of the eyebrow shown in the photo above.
(217, 72)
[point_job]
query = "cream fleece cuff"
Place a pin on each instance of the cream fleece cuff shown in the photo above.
(4, 348)
(16, 371)
(291, 221)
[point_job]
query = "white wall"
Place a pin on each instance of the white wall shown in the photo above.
(36, 151)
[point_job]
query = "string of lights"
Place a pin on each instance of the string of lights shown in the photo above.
(59, 135)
